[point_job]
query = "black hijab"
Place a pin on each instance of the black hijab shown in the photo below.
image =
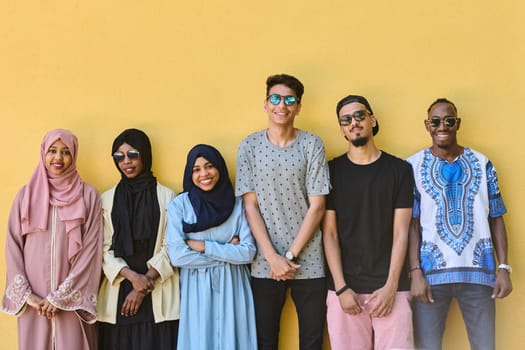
(213, 207)
(136, 211)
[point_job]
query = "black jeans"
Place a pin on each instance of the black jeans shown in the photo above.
(309, 297)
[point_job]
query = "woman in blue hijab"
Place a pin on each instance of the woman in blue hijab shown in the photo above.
(209, 238)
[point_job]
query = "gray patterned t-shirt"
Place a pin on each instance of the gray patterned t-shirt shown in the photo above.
(283, 178)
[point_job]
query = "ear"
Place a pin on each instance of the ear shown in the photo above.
(265, 104)
(374, 120)
(459, 124)
(298, 108)
(427, 125)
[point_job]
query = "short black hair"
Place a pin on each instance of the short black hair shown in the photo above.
(442, 100)
(286, 80)
(360, 99)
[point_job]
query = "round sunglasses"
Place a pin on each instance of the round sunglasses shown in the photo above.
(275, 99)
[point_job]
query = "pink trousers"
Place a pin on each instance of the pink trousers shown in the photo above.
(365, 332)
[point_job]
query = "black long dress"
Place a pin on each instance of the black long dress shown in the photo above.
(139, 331)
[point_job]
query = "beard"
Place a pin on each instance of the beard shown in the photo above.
(442, 146)
(360, 141)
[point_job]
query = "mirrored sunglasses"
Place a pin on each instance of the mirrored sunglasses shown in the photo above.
(358, 116)
(275, 99)
(448, 121)
(132, 154)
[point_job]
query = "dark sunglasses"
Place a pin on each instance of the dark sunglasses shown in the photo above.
(448, 121)
(358, 116)
(275, 99)
(132, 154)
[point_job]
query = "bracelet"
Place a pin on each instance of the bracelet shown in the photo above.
(342, 290)
(415, 268)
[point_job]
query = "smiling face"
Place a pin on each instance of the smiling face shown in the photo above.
(281, 114)
(58, 158)
(443, 136)
(204, 175)
(357, 132)
(131, 168)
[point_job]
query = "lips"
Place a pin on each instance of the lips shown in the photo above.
(205, 181)
(130, 170)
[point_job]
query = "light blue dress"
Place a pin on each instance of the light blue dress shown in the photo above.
(216, 305)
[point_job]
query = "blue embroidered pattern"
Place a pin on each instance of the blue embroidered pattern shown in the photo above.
(483, 256)
(453, 187)
(431, 257)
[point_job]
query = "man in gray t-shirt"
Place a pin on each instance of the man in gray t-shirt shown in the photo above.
(282, 176)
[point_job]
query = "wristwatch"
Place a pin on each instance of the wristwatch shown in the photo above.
(505, 267)
(289, 255)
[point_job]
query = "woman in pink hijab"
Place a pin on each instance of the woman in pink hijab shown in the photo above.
(54, 252)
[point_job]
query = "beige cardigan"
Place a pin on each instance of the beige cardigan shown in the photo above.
(165, 296)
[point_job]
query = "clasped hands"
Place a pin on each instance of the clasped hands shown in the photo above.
(282, 269)
(142, 285)
(42, 306)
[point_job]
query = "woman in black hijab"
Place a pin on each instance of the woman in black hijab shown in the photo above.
(138, 303)
(209, 239)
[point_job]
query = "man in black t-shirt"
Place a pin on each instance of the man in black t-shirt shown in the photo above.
(365, 236)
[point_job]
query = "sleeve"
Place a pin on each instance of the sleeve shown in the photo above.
(330, 205)
(496, 206)
(405, 190)
(160, 261)
(244, 170)
(79, 289)
(416, 206)
(317, 177)
(111, 265)
(179, 252)
(17, 285)
(241, 253)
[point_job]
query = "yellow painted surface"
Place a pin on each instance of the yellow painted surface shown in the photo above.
(192, 72)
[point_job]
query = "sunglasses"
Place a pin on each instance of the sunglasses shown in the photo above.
(358, 116)
(275, 99)
(448, 121)
(132, 155)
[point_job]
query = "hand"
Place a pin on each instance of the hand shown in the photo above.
(35, 302)
(141, 283)
(235, 240)
(350, 303)
(502, 285)
(282, 269)
(132, 303)
(385, 298)
(198, 246)
(419, 287)
(48, 310)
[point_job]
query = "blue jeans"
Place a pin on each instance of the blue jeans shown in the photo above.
(477, 308)
(309, 297)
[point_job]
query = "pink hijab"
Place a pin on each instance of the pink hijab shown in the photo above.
(64, 191)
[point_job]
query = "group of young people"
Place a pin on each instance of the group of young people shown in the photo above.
(209, 268)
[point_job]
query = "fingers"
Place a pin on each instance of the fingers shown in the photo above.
(132, 303)
(47, 309)
(430, 298)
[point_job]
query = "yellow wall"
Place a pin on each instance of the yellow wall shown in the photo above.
(189, 72)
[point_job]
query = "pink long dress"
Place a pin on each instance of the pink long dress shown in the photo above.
(38, 263)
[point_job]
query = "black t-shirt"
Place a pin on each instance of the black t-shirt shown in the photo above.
(364, 198)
